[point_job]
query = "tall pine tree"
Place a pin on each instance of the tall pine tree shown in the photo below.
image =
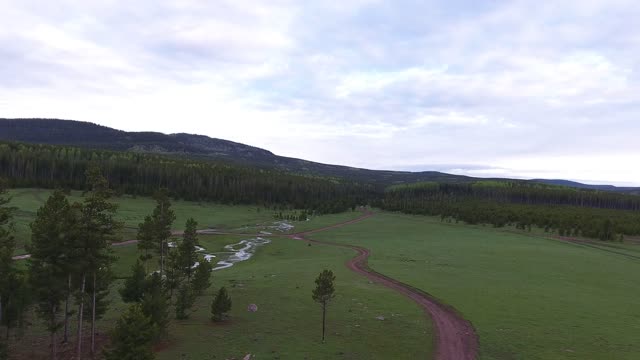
(155, 231)
(48, 265)
(97, 231)
(187, 252)
(135, 286)
(7, 247)
(14, 287)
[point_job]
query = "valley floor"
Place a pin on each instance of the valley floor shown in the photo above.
(527, 296)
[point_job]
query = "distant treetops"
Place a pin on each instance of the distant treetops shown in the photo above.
(568, 211)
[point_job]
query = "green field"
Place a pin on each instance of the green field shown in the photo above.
(287, 325)
(279, 279)
(132, 211)
(528, 297)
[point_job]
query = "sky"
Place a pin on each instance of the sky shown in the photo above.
(523, 89)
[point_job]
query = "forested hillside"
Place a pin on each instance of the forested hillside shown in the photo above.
(589, 213)
(84, 134)
(199, 147)
(88, 135)
(46, 166)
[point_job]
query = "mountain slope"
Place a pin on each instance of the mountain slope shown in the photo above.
(85, 134)
(67, 132)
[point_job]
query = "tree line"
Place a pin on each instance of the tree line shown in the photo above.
(48, 166)
(519, 192)
(566, 211)
(589, 213)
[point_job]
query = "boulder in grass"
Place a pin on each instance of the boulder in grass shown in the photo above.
(252, 308)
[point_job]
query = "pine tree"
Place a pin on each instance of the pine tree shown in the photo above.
(17, 301)
(185, 299)
(14, 287)
(48, 264)
(155, 306)
(135, 286)
(132, 337)
(155, 230)
(73, 264)
(99, 305)
(201, 277)
(324, 293)
(187, 254)
(185, 273)
(7, 247)
(146, 239)
(174, 274)
(606, 232)
(220, 305)
(162, 219)
(97, 229)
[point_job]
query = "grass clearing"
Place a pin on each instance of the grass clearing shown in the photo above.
(287, 325)
(279, 279)
(132, 210)
(528, 297)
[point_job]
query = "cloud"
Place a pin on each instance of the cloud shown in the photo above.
(507, 88)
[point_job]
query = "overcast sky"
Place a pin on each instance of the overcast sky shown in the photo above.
(485, 88)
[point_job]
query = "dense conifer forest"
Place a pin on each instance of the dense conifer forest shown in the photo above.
(47, 166)
(564, 210)
(568, 211)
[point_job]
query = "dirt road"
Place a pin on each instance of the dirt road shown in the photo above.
(455, 337)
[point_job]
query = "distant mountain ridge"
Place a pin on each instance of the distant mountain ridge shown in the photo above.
(85, 134)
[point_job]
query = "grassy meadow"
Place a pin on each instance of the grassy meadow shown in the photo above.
(528, 297)
(132, 210)
(279, 279)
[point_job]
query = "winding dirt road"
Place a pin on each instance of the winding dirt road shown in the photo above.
(456, 338)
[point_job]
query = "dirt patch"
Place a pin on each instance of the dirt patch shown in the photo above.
(162, 346)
